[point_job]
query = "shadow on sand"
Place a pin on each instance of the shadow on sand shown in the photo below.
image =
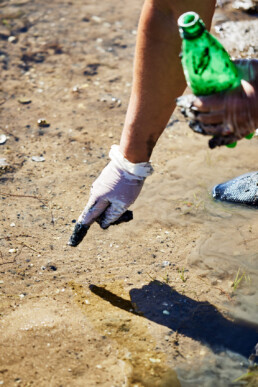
(201, 321)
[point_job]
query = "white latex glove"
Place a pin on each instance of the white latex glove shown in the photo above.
(228, 116)
(117, 187)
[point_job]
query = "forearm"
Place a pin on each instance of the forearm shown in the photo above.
(158, 76)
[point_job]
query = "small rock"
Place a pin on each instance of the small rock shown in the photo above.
(12, 39)
(97, 19)
(42, 123)
(154, 360)
(3, 139)
(4, 33)
(166, 312)
(51, 267)
(38, 159)
(12, 251)
(111, 101)
(249, 6)
(3, 163)
(24, 101)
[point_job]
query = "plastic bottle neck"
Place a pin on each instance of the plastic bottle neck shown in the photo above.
(190, 25)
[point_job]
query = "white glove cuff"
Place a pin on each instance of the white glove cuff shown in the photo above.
(140, 170)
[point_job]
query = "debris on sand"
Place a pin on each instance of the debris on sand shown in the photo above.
(38, 159)
(3, 139)
(24, 101)
(249, 6)
(42, 123)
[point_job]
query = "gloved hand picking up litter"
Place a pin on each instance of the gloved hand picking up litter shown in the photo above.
(117, 187)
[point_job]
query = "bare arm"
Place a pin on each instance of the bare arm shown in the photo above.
(158, 76)
(158, 80)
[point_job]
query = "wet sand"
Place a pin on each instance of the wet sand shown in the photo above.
(156, 301)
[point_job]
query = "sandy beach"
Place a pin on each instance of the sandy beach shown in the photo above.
(168, 299)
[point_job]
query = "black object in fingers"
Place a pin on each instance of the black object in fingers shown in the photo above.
(79, 232)
(124, 218)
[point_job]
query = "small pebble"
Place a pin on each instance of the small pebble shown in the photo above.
(12, 39)
(154, 360)
(42, 123)
(38, 159)
(3, 139)
(97, 19)
(24, 101)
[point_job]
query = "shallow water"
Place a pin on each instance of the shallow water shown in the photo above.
(179, 193)
(226, 249)
(228, 234)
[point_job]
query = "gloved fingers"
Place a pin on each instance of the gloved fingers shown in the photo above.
(124, 218)
(209, 103)
(112, 214)
(210, 130)
(186, 101)
(197, 127)
(92, 211)
(215, 117)
(222, 140)
(191, 105)
(216, 130)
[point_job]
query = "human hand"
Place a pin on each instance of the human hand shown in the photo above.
(117, 187)
(228, 116)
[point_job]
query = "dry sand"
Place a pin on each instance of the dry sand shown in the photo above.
(75, 317)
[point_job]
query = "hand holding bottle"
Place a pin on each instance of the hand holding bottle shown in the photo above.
(230, 115)
(209, 71)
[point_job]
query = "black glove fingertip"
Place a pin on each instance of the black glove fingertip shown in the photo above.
(79, 232)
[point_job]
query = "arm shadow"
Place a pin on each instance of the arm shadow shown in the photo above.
(201, 321)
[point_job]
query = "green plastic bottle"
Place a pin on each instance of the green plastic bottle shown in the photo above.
(207, 66)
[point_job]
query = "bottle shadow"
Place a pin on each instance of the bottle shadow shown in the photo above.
(199, 320)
